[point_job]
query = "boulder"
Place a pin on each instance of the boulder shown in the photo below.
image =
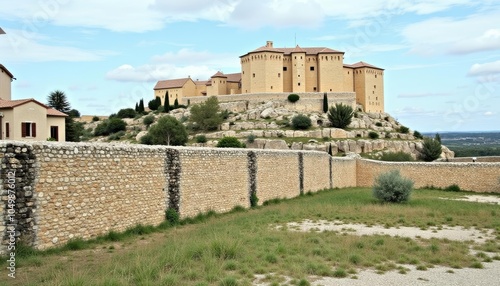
(276, 144)
(140, 135)
(297, 146)
(338, 133)
(225, 126)
(268, 113)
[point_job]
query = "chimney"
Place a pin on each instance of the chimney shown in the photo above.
(269, 44)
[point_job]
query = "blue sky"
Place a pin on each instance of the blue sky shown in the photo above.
(441, 58)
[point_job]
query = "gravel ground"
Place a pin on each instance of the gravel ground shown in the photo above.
(438, 275)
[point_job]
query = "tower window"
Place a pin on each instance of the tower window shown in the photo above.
(285, 68)
(279, 74)
(311, 68)
(298, 84)
(254, 75)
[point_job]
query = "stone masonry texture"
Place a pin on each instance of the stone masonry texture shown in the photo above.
(83, 190)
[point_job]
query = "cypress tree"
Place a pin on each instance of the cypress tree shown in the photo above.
(166, 107)
(325, 103)
(141, 106)
(136, 107)
(176, 103)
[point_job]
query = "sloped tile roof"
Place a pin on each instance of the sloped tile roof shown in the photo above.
(218, 74)
(289, 51)
(14, 103)
(234, 77)
(362, 65)
(171, 83)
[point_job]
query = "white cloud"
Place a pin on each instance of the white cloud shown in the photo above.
(485, 69)
(489, 113)
(147, 15)
(183, 63)
(17, 46)
(155, 72)
(475, 33)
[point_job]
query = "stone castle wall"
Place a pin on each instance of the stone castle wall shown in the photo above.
(309, 101)
(69, 190)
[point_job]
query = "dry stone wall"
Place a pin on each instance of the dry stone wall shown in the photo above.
(62, 191)
(477, 177)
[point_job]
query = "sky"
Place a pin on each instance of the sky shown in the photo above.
(441, 58)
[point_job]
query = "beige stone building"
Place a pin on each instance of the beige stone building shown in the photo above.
(288, 70)
(27, 119)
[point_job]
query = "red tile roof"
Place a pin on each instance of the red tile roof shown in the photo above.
(171, 83)
(234, 77)
(14, 103)
(218, 74)
(3, 68)
(289, 51)
(362, 65)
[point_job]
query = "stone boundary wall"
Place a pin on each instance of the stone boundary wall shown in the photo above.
(476, 177)
(309, 101)
(70, 190)
(491, 159)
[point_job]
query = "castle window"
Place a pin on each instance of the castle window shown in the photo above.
(279, 74)
(285, 68)
(298, 75)
(254, 75)
(298, 84)
(314, 88)
(375, 76)
(311, 68)
(374, 86)
(330, 89)
(295, 57)
(271, 87)
(300, 57)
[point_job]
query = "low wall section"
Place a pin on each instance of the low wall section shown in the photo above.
(477, 177)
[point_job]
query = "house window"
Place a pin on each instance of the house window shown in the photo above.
(7, 130)
(54, 132)
(285, 68)
(28, 129)
(311, 68)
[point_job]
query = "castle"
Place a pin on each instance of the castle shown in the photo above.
(287, 70)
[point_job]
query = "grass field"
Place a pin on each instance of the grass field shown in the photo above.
(230, 249)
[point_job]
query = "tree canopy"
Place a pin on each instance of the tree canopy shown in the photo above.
(58, 100)
(206, 115)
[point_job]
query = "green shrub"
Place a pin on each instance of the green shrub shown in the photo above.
(431, 149)
(148, 120)
(378, 124)
(206, 116)
(95, 118)
(116, 136)
(110, 126)
(168, 131)
(293, 97)
(373, 135)
(147, 139)
(396, 157)
(340, 115)
(417, 135)
(453, 188)
(172, 216)
(392, 187)
(126, 113)
(301, 122)
(229, 142)
(251, 138)
(404, 130)
(201, 139)
(254, 200)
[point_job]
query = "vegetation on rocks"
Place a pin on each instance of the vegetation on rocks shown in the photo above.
(168, 131)
(340, 115)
